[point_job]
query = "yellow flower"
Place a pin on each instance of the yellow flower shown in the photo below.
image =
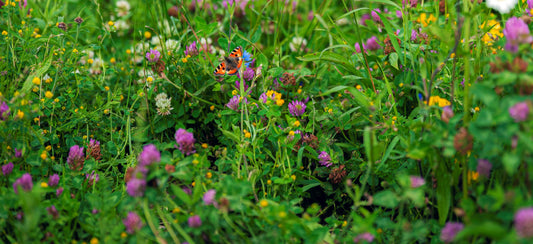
(4, 33)
(472, 175)
(208, 175)
(358, 87)
(247, 134)
(477, 109)
(20, 114)
(205, 145)
(280, 102)
(94, 240)
(123, 235)
(49, 94)
(269, 182)
(401, 84)
(44, 185)
(176, 210)
(56, 100)
(282, 214)
(110, 23)
(184, 60)
(234, 92)
(344, 223)
(293, 177)
(106, 88)
(149, 79)
(263, 203)
(113, 60)
(296, 123)
(426, 20)
(36, 81)
(106, 111)
(75, 50)
(128, 51)
(195, 161)
(147, 34)
(43, 155)
(48, 148)
(299, 91)
(90, 61)
(193, 184)
(291, 133)
(212, 107)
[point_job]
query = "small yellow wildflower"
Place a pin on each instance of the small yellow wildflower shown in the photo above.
(94, 240)
(56, 100)
(128, 51)
(44, 184)
(123, 235)
(20, 114)
(75, 50)
(280, 102)
(426, 20)
(113, 60)
(44, 155)
(36, 81)
(106, 88)
(291, 133)
(234, 92)
(90, 61)
(110, 23)
(49, 94)
(208, 175)
(205, 145)
(296, 123)
(344, 223)
(147, 34)
(20, 32)
(48, 148)
(401, 84)
(269, 182)
(358, 87)
(247, 134)
(477, 109)
(176, 210)
(84, 137)
(4, 33)
(263, 203)
(293, 177)
(106, 111)
(299, 91)
(193, 184)
(282, 214)
(149, 79)
(195, 161)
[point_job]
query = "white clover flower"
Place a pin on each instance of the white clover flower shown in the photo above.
(502, 6)
(162, 102)
(122, 25)
(172, 45)
(343, 21)
(96, 67)
(123, 8)
(297, 44)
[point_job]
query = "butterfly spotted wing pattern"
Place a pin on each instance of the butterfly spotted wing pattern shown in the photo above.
(231, 64)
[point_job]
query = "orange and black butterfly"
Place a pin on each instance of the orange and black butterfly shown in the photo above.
(231, 64)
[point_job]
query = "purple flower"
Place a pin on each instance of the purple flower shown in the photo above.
(517, 32)
(417, 181)
(238, 85)
(53, 211)
(76, 158)
(18, 153)
(523, 222)
(233, 103)
(7, 168)
(364, 237)
(59, 191)
(297, 108)
(450, 230)
(209, 197)
(136, 187)
(263, 98)
(153, 56)
(399, 14)
(248, 75)
(358, 48)
(95, 211)
(447, 114)
(24, 182)
(186, 190)
(194, 221)
(372, 43)
(132, 222)
(375, 16)
(364, 18)
(53, 180)
(192, 49)
(4, 111)
(324, 159)
(92, 177)
(149, 155)
(310, 15)
(413, 35)
(185, 141)
(519, 111)
(484, 167)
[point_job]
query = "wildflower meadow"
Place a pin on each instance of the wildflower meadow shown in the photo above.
(266, 121)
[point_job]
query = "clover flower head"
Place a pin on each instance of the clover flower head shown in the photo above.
(450, 230)
(132, 222)
(153, 56)
(185, 141)
(297, 108)
(25, 182)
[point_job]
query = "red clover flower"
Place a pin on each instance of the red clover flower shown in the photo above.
(324, 159)
(297, 108)
(53, 180)
(132, 222)
(7, 169)
(76, 158)
(517, 32)
(523, 222)
(519, 111)
(136, 187)
(149, 155)
(194, 221)
(153, 56)
(417, 181)
(484, 167)
(185, 141)
(24, 182)
(4, 111)
(209, 197)
(450, 230)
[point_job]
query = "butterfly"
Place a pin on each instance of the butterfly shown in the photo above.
(231, 64)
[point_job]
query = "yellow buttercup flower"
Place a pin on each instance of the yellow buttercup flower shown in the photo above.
(36, 81)
(263, 203)
(147, 34)
(44, 184)
(48, 94)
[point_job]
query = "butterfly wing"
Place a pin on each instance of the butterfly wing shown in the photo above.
(236, 53)
(221, 69)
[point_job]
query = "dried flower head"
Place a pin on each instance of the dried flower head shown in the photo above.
(78, 20)
(337, 174)
(93, 149)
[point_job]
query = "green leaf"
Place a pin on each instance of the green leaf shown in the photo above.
(37, 73)
(444, 193)
(486, 228)
(309, 186)
(386, 199)
(511, 163)
(393, 59)
(331, 57)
